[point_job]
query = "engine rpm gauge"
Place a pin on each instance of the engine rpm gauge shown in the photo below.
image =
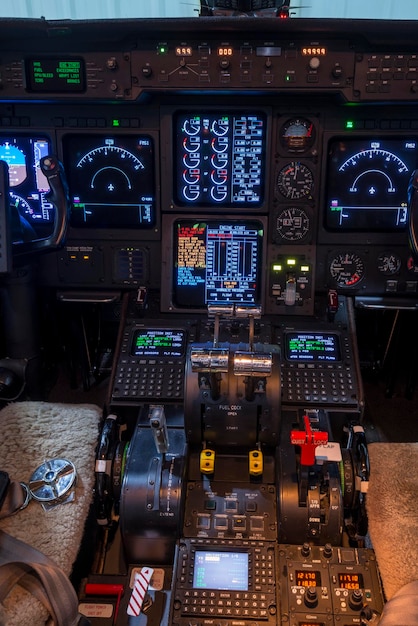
(297, 134)
(295, 181)
(292, 224)
(347, 269)
(388, 264)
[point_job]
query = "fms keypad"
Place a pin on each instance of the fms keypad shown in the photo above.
(151, 364)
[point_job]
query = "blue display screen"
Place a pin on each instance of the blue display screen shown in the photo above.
(221, 570)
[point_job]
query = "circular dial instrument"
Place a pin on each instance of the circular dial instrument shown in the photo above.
(292, 224)
(347, 269)
(295, 180)
(388, 264)
(297, 134)
(110, 169)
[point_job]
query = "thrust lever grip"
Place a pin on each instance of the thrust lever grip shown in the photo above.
(159, 429)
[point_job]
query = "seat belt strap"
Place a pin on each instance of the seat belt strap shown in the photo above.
(24, 565)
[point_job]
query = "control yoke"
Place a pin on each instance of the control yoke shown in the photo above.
(58, 195)
(413, 214)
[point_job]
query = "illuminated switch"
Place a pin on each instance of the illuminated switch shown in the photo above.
(203, 521)
(231, 505)
(221, 522)
(239, 523)
(257, 523)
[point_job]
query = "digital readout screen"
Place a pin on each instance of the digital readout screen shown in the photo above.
(367, 183)
(219, 159)
(158, 342)
(350, 580)
(63, 75)
(314, 347)
(218, 261)
(308, 578)
(221, 570)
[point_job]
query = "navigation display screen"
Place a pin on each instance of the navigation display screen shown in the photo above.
(111, 180)
(219, 159)
(314, 347)
(367, 183)
(158, 342)
(221, 570)
(217, 261)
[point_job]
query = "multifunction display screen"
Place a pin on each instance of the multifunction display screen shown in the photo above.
(111, 179)
(221, 570)
(60, 75)
(28, 184)
(367, 183)
(315, 347)
(217, 262)
(219, 159)
(158, 342)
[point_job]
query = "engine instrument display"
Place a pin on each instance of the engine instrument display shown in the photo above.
(218, 261)
(347, 269)
(367, 184)
(28, 184)
(111, 180)
(219, 159)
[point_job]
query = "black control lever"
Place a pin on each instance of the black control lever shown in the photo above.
(58, 195)
(413, 214)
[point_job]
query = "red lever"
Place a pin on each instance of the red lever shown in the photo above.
(106, 589)
(308, 440)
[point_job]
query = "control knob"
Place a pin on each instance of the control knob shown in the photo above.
(311, 597)
(356, 600)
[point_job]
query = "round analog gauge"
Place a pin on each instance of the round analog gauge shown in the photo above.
(295, 180)
(347, 269)
(292, 224)
(389, 264)
(297, 134)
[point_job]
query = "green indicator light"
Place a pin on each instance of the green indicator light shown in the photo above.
(162, 49)
(115, 123)
(349, 124)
